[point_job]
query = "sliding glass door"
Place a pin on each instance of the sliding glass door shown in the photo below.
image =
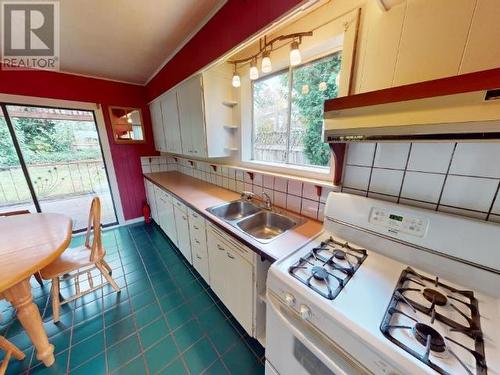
(63, 162)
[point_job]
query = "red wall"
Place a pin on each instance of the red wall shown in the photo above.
(234, 22)
(126, 158)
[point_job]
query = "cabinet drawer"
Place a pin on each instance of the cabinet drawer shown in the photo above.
(181, 206)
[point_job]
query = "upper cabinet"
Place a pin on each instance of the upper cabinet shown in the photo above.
(171, 126)
(158, 133)
(196, 116)
(191, 115)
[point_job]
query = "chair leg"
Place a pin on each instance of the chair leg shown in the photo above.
(55, 299)
(106, 265)
(38, 278)
(106, 275)
(7, 346)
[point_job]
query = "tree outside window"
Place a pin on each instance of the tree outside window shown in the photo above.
(288, 118)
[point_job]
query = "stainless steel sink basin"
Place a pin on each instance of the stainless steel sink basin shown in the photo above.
(234, 210)
(266, 225)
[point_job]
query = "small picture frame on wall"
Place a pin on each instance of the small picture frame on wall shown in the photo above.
(127, 125)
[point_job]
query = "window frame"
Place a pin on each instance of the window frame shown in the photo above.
(314, 169)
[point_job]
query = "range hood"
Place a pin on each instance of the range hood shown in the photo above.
(428, 111)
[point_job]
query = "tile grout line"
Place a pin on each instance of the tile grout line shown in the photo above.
(205, 334)
(240, 336)
(157, 299)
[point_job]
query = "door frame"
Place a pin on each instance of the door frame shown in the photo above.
(101, 130)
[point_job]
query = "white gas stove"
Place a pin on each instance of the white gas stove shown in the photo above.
(387, 289)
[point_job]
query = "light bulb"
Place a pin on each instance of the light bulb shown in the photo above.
(254, 72)
(266, 65)
(236, 80)
(295, 57)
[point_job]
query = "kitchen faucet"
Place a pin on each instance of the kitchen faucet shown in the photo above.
(248, 195)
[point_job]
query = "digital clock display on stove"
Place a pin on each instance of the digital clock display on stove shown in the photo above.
(396, 217)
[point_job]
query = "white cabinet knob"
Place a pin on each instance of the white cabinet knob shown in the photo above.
(305, 312)
(289, 299)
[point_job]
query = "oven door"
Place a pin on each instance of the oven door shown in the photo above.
(294, 346)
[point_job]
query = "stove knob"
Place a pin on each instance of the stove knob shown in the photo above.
(305, 312)
(289, 299)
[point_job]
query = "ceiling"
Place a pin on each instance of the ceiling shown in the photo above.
(127, 40)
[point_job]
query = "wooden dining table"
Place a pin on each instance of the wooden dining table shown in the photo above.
(28, 243)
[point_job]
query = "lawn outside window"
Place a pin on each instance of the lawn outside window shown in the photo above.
(288, 114)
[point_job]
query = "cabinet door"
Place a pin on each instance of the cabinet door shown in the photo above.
(158, 133)
(191, 116)
(150, 191)
(170, 115)
(218, 265)
(231, 277)
(183, 240)
(166, 215)
(240, 294)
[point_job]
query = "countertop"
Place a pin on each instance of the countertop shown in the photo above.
(200, 195)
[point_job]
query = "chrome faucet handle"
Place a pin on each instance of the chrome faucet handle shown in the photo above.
(248, 195)
(267, 200)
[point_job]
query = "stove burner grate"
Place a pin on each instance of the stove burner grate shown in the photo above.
(324, 261)
(428, 336)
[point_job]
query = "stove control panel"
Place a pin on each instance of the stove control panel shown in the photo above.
(398, 222)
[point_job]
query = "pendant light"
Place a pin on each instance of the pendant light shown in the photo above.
(295, 57)
(254, 72)
(236, 78)
(266, 65)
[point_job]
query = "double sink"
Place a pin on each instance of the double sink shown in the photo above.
(262, 224)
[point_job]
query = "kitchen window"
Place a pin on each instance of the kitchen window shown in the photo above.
(288, 113)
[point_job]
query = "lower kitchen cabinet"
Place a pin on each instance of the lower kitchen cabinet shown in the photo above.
(235, 273)
(183, 238)
(150, 193)
(166, 217)
(231, 276)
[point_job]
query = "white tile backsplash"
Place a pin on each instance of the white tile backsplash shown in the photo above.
(309, 208)
(445, 176)
(280, 184)
(386, 181)
(360, 153)
(477, 159)
(469, 192)
(430, 157)
(310, 191)
(268, 181)
(422, 186)
(391, 155)
(293, 202)
(295, 187)
(357, 177)
(280, 199)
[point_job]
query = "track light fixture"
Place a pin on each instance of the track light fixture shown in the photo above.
(265, 49)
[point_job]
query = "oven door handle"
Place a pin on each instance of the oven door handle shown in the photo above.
(328, 352)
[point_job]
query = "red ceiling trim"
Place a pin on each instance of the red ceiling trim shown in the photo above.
(483, 80)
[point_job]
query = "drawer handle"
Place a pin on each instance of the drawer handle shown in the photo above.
(220, 247)
(197, 256)
(198, 242)
(230, 256)
(195, 215)
(184, 218)
(195, 227)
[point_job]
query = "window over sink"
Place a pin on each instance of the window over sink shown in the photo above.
(288, 113)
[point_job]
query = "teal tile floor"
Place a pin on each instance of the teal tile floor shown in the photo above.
(166, 320)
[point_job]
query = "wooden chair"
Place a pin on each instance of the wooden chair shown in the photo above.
(37, 275)
(10, 350)
(79, 261)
